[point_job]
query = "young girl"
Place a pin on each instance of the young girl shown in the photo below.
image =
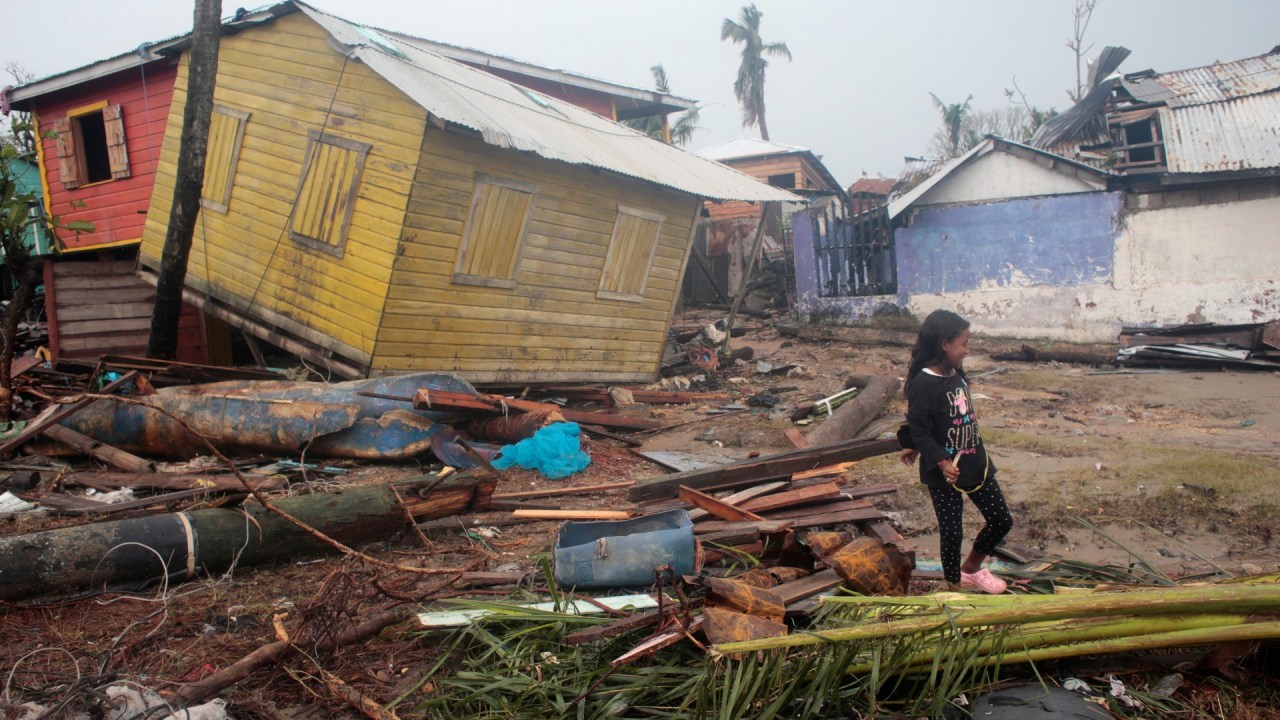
(953, 460)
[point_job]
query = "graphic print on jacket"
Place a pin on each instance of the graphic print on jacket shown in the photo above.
(944, 426)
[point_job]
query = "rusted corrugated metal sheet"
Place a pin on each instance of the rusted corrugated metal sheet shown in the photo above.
(1241, 134)
(1211, 83)
(509, 116)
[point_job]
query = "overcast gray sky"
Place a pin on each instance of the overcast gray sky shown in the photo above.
(856, 93)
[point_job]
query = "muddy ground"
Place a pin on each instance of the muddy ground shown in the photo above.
(1178, 468)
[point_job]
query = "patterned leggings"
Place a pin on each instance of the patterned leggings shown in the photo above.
(948, 504)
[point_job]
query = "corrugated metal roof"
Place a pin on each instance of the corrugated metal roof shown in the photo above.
(1212, 83)
(503, 62)
(1241, 134)
(991, 143)
(743, 147)
(875, 186)
(512, 117)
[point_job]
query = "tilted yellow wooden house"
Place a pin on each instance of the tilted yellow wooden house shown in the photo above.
(377, 208)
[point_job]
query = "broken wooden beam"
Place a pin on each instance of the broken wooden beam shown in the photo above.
(741, 496)
(851, 417)
(572, 514)
(832, 519)
(792, 498)
(553, 492)
(97, 450)
(769, 467)
(716, 506)
(823, 509)
(763, 527)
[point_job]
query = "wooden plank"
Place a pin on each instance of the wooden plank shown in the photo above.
(23, 364)
(827, 471)
(870, 490)
(791, 498)
(843, 517)
(98, 450)
(885, 532)
(764, 527)
(742, 496)
(823, 509)
(805, 587)
(715, 506)
(796, 437)
(571, 514)
(761, 469)
(555, 492)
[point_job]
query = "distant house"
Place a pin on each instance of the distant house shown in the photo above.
(1171, 215)
(867, 192)
(376, 207)
(102, 126)
(721, 244)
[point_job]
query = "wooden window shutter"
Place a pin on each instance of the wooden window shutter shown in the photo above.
(625, 275)
(493, 239)
(327, 192)
(117, 153)
(68, 168)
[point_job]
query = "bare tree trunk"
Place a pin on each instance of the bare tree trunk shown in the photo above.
(764, 127)
(28, 279)
(202, 73)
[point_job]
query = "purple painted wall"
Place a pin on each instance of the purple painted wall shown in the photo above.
(1057, 241)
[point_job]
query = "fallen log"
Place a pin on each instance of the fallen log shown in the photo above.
(769, 467)
(139, 551)
(851, 417)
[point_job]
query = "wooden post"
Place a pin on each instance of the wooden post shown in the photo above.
(746, 275)
(202, 72)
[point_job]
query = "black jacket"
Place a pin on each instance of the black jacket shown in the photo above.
(943, 427)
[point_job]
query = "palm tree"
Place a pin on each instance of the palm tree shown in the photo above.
(956, 135)
(749, 87)
(684, 127)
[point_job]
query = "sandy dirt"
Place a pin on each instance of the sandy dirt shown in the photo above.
(1178, 468)
(1174, 469)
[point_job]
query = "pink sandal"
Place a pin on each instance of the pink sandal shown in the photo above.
(983, 580)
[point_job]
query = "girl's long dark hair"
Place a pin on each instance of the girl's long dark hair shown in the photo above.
(939, 327)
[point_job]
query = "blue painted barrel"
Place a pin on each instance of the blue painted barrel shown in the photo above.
(624, 553)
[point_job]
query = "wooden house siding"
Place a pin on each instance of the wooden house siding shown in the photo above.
(291, 82)
(551, 325)
(115, 207)
(103, 307)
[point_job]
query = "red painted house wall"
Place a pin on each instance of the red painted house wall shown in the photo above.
(593, 100)
(117, 208)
